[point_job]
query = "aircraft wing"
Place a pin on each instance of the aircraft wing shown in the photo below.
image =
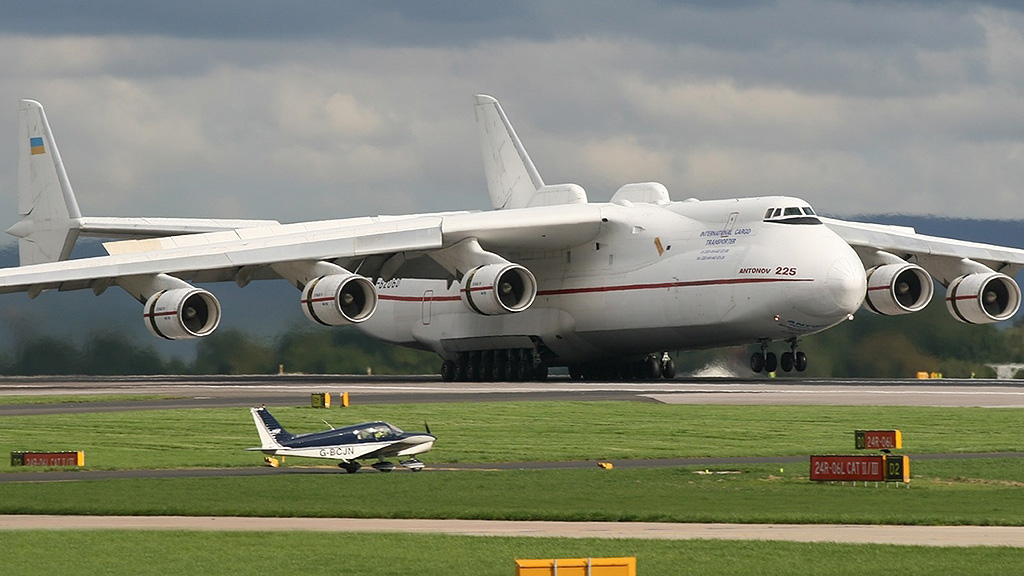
(239, 254)
(944, 258)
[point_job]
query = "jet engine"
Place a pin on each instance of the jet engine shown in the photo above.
(498, 289)
(983, 297)
(182, 313)
(339, 299)
(895, 289)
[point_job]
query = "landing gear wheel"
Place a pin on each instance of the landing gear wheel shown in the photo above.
(350, 467)
(652, 368)
(576, 372)
(487, 366)
(540, 372)
(771, 362)
(525, 367)
(786, 362)
(473, 367)
(668, 369)
(461, 374)
(512, 365)
(800, 362)
(448, 371)
(757, 362)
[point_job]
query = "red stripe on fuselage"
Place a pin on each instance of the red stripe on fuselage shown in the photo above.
(621, 288)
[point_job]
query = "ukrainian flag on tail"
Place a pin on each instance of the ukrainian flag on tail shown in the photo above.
(36, 145)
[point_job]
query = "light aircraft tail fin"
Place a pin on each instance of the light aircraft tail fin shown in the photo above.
(271, 432)
(50, 219)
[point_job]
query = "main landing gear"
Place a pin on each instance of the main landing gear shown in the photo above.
(768, 362)
(508, 365)
(652, 367)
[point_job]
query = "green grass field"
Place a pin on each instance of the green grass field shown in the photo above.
(86, 552)
(942, 492)
(80, 399)
(977, 491)
(517, 431)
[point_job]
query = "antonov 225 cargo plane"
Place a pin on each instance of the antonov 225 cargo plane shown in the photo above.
(546, 278)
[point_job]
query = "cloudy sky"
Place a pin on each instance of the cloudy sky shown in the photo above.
(296, 111)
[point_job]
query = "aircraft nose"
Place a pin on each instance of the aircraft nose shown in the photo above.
(846, 284)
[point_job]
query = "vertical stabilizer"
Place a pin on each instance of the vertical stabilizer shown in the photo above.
(271, 432)
(50, 219)
(512, 179)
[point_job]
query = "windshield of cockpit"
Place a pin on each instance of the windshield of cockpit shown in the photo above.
(379, 431)
(791, 215)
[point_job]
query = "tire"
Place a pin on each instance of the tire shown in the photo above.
(498, 370)
(512, 365)
(771, 362)
(652, 368)
(473, 367)
(786, 362)
(757, 362)
(668, 369)
(540, 372)
(461, 372)
(800, 362)
(448, 371)
(576, 372)
(487, 365)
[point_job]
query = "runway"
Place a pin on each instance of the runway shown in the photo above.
(237, 391)
(843, 533)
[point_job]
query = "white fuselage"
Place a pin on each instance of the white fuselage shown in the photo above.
(654, 278)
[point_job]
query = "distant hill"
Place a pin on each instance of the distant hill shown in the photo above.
(267, 309)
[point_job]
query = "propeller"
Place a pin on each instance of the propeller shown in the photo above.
(427, 426)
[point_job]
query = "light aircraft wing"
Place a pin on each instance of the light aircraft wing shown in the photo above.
(944, 258)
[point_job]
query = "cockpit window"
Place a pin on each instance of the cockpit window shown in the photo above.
(380, 431)
(791, 215)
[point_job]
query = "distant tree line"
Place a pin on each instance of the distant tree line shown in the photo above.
(868, 347)
(336, 351)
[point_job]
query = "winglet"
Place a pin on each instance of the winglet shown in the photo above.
(512, 179)
(50, 218)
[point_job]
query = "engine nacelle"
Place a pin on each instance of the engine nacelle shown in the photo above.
(983, 298)
(895, 289)
(182, 313)
(498, 289)
(339, 299)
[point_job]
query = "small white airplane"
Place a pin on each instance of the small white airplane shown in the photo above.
(349, 444)
(545, 279)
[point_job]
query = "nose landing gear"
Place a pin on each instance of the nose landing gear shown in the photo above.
(767, 361)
